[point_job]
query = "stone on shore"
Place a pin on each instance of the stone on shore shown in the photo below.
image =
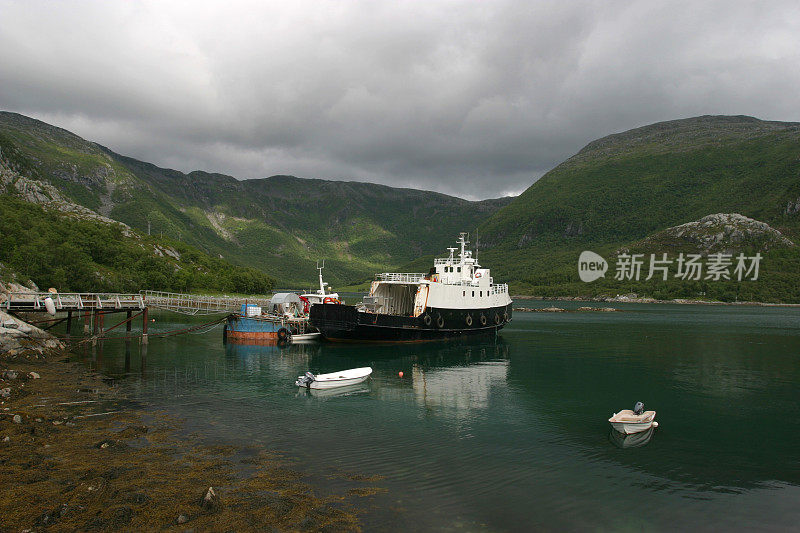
(211, 501)
(17, 419)
(20, 338)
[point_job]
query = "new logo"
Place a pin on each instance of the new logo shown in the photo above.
(591, 266)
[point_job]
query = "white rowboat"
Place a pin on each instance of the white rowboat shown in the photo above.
(628, 422)
(334, 379)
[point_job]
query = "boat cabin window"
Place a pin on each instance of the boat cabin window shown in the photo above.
(458, 269)
(463, 293)
(473, 294)
(481, 293)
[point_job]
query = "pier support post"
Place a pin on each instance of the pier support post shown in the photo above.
(128, 324)
(101, 322)
(144, 326)
(86, 320)
(69, 323)
(127, 356)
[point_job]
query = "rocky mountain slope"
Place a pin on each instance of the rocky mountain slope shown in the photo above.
(280, 225)
(46, 238)
(725, 233)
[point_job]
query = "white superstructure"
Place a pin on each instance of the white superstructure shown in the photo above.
(455, 282)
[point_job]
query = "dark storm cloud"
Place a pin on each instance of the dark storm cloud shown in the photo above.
(470, 98)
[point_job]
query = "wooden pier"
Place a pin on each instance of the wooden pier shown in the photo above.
(93, 307)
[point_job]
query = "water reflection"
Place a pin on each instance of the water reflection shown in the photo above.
(634, 440)
(350, 390)
(271, 359)
(457, 390)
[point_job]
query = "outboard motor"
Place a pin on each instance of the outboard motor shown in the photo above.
(306, 379)
(638, 408)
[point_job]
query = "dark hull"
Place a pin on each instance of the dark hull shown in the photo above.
(346, 323)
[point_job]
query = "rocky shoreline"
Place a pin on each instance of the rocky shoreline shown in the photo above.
(634, 299)
(77, 455)
(562, 310)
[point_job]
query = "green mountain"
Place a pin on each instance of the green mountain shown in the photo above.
(280, 225)
(705, 185)
(621, 189)
(53, 242)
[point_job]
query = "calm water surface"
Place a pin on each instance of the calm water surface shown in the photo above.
(512, 433)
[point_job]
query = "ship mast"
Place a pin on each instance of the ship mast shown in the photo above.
(462, 240)
(321, 283)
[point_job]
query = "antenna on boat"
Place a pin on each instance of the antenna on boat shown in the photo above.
(476, 247)
(321, 283)
(462, 240)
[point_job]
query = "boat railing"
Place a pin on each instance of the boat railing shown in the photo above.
(400, 277)
(500, 288)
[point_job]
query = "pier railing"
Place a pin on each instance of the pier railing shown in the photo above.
(72, 301)
(188, 304)
(195, 304)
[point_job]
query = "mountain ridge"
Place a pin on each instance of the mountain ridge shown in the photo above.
(280, 224)
(622, 188)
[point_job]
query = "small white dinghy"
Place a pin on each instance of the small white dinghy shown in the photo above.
(334, 379)
(636, 421)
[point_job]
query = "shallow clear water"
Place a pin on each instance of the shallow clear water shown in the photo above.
(512, 433)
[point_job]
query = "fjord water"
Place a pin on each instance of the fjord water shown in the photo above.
(512, 433)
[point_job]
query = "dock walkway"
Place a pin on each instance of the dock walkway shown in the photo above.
(188, 304)
(93, 307)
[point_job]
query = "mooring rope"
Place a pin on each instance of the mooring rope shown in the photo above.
(210, 325)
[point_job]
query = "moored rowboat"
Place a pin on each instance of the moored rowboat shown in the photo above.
(628, 422)
(334, 379)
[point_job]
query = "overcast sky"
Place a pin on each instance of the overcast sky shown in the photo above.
(471, 98)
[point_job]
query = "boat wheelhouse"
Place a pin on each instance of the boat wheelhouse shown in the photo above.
(456, 297)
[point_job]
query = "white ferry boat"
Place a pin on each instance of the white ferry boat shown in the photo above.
(457, 297)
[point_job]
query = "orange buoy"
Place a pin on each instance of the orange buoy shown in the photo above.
(400, 374)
